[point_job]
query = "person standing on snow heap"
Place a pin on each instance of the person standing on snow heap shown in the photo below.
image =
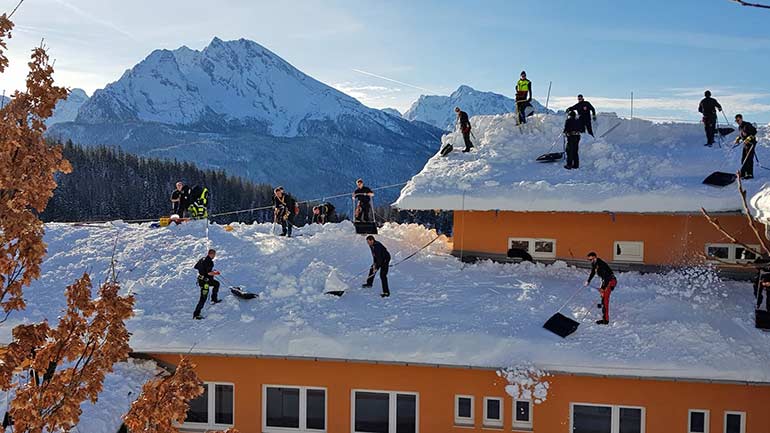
(179, 199)
(381, 262)
(708, 108)
(206, 273)
(364, 206)
(748, 136)
(602, 269)
(572, 128)
(465, 128)
(284, 207)
(586, 112)
(523, 97)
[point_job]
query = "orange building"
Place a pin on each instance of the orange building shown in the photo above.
(630, 240)
(277, 395)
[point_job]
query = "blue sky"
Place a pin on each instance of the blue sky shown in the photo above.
(388, 53)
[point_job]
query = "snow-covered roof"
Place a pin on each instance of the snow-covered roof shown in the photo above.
(685, 324)
(640, 166)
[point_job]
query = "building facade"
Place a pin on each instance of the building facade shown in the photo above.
(295, 395)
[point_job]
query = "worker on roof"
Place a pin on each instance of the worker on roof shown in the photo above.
(523, 97)
(465, 128)
(363, 195)
(585, 112)
(572, 128)
(380, 262)
(206, 281)
(708, 108)
(602, 269)
(747, 134)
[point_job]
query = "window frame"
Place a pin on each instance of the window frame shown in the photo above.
(521, 425)
(614, 415)
(302, 410)
(463, 421)
(734, 412)
(392, 405)
(531, 247)
(732, 251)
(493, 423)
(631, 259)
(211, 410)
(706, 418)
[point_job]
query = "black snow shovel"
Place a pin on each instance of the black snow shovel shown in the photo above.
(239, 292)
(560, 324)
(720, 179)
(446, 149)
(725, 131)
(551, 156)
(339, 293)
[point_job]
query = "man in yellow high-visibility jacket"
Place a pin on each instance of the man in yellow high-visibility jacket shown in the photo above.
(523, 96)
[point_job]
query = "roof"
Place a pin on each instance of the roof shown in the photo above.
(684, 324)
(639, 166)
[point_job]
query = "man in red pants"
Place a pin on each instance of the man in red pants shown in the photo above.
(602, 269)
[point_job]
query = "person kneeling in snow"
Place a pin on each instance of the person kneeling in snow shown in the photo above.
(381, 262)
(206, 273)
(602, 269)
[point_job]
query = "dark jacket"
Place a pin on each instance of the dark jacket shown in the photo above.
(708, 106)
(286, 202)
(584, 109)
(601, 269)
(362, 194)
(465, 124)
(747, 130)
(380, 254)
(204, 266)
(572, 126)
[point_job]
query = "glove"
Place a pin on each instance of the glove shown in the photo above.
(594, 117)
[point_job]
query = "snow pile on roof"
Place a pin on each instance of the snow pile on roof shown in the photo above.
(760, 204)
(640, 166)
(440, 311)
(121, 388)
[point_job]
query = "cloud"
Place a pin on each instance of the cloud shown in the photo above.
(392, 80)
(372, 96)
(96, 19)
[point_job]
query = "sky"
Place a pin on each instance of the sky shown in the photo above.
(387, 54)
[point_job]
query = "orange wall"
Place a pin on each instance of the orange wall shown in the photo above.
(666, 402)
(668, 239)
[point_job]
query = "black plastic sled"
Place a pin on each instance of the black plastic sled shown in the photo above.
(762, 319)
(239, 292)
(720, 179)
(365, 228)
(446, 149)
(725, 131)
(561, 325)
(551, 157)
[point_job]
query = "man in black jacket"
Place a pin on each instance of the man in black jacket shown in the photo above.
(363, 194)
(206, 273)
(586, 112)
(572, 127)
(747, 134)
(763, 285)
(708, 108)
(180, 198)
(465, 128)
(602, 269)
(381, 262)
(284, 208)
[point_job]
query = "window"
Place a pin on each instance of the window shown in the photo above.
(464, 410)
(591, 418)
(698, 421)
(537, 248)
(293, 409)
(384, 412)
(730, 253)
(522, 414)
(735, 422)
(627, 251)
(493, 412)
(213, 408)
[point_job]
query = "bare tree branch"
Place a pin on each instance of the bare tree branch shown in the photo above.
(715, 222)
(756, 5)
(749, 218)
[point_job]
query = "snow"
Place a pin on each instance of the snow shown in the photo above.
(640, 166)
(439, 110)
(760, 204)
(526, 382)
(67, 110)
(681, 324)
(121, 388)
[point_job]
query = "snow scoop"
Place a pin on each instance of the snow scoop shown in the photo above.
(560, 324)
(762, 319)
(720, 179)
(725, 131)
(339, 286)
(238, 291)
(551, 156)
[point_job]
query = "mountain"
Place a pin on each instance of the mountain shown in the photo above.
(392, 112)
(67, 110)
(439, 110)
(239, 107)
